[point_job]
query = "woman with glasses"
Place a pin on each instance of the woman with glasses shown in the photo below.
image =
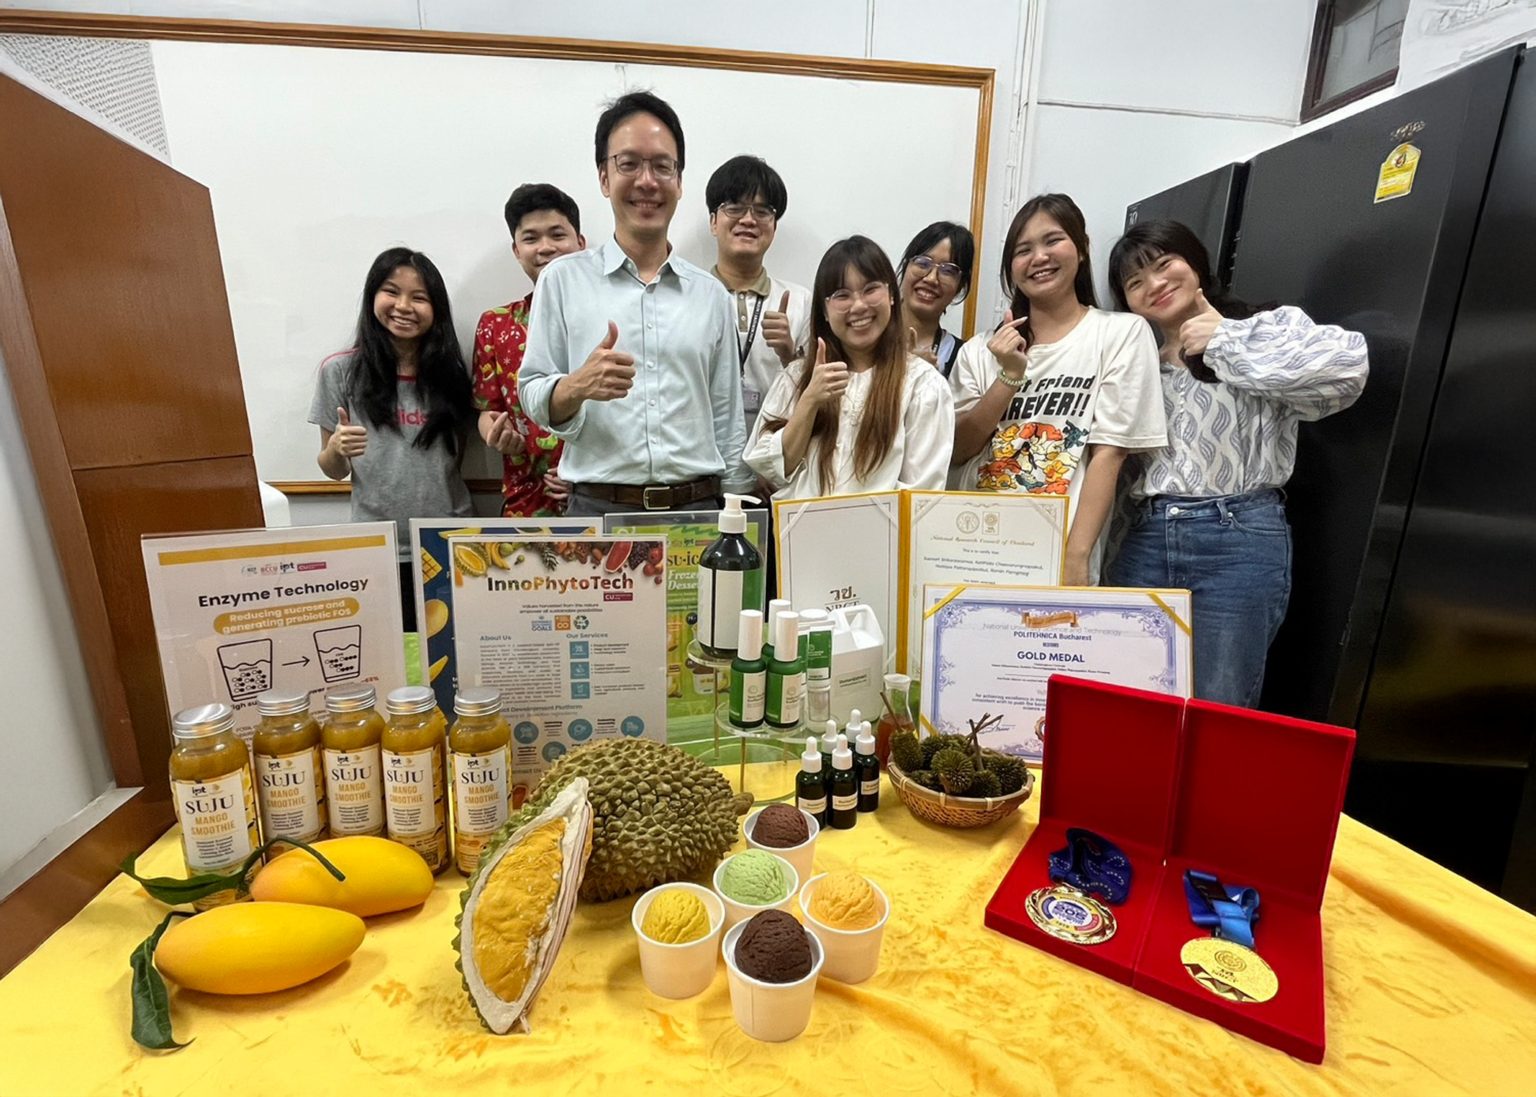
(859, 413)
(936, 273)
(1054, 399)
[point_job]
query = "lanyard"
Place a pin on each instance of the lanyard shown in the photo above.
(1092, 865)
(746, 348)
(1230, 911)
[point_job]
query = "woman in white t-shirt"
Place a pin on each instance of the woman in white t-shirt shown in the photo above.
(1054, 399)
(865, 414)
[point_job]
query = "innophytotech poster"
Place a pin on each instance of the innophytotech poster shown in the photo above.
(239, 613)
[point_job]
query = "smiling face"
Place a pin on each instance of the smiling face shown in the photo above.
(541, 236)
(643, 203)
(1165, 290)
(401, 305)
(1045, 260)
(926, 294)
(859, 319)
(746, 239)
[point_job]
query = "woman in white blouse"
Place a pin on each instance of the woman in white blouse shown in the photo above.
(1208, 512)
(866, 414)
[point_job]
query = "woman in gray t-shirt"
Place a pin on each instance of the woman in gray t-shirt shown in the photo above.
(395, 410)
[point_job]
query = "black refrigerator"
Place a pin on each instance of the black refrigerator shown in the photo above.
(1413, 610)
(1210, 205)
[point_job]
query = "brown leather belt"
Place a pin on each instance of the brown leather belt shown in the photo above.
(655, 496)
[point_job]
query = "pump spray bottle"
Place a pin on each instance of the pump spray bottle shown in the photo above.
(730, 580)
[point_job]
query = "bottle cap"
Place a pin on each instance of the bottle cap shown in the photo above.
(814, 618)
(282, 702)
(842, 757)
(897, 681)
(409, 700)
(810, 761)
(477, 701)
(866, 739)
(350, 699)
(855, 720)
(206, 720)
(749, 635)
(732, 520)
(786, 636)
(829, 737)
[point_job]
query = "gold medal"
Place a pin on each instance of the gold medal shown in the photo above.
(1069, 915)
(1229, 970)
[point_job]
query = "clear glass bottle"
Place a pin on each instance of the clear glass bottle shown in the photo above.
(480, 741)
(354, 785)
(898, 691)
(415, 807)
(290, 782)
(215, 798)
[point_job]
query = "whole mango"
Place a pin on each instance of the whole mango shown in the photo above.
(256, 948)
(381, 877)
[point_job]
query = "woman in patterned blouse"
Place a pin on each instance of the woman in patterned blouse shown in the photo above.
(1208, 510)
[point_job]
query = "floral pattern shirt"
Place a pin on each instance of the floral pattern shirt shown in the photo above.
(501, 337)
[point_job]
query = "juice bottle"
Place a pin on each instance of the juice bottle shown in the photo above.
(898, 690)
(290, 782)
(354, 786)
(415, 810)
(480, 741)
(215, 798)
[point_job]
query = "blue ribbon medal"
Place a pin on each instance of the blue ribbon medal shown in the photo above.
(1225, 963)
(1088, 868)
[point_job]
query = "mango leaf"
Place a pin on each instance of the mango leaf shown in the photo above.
(175, 891)
(151, 1002)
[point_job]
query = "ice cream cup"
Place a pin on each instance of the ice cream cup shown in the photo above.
(772, 1012)
(679, 971)
(801, 856)
(740, 912)
(853, 955)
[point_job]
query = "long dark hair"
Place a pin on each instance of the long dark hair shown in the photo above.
(442, 382)
(1061, 209)
(1147, 241)
(962, 251)
(882, 414)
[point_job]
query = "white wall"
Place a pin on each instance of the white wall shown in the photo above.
(55, 758)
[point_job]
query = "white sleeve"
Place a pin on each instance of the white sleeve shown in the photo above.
(724, 383)
(1313, 369)
(929, 426)
(547, 358)
(1128, 410)
(975, 369)
(765, 448)
(800, 316)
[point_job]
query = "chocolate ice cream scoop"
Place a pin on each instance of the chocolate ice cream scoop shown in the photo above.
(780, 826)
(773, 948)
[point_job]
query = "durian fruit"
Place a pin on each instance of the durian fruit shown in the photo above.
(954, 769)
(984, 783)
(659, 814)
(1011, 772)
(906, 751)
(518, 904)
(935, 743)
(926, 778)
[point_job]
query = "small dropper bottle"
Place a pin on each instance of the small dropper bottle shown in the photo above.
(843, 811)
(866, 767)
(828, 745)
(811, 783)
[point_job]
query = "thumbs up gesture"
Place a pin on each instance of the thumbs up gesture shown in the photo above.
(927, 354)
(777, 333)
(1007, 346)
(1195, 333)
(829, 380)
(347, 439)
(608, 373)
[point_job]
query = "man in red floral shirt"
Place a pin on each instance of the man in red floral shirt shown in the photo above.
(545, 224)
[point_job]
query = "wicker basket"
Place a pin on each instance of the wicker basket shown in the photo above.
(957, 811)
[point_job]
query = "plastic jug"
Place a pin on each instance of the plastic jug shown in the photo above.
(858, 661)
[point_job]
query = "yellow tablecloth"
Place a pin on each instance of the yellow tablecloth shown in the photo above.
(1431, 986)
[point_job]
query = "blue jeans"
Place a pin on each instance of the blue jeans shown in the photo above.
(1233, 553)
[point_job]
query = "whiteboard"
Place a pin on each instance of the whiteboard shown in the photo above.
(318, 158)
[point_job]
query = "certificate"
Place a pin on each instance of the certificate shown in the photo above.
(990, 649)
(975, 537)
(842, 550)
(573, 634)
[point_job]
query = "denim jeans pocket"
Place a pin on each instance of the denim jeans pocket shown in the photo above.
(1266, 521)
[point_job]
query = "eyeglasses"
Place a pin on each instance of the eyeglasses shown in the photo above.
(735, 211)
(924, 265)
(628, 164)
(842, 300)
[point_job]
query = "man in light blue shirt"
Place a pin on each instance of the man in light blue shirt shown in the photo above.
(632, 355)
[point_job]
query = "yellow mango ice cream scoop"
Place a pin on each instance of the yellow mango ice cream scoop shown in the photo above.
(844, 900)
(675, 917)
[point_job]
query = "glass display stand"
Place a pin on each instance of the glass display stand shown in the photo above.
(764, 759)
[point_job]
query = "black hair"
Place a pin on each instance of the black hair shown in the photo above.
(536, 197)
(441, 379)
(962, 250)
(631, 103)
(1148, 240)
(1061, 209)
(742, 178)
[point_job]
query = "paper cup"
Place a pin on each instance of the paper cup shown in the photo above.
(679, 971)
(739, 912)
(853, 955)
(801, 856)
(772, 1012)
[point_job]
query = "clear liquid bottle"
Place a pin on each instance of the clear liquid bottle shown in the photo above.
(215, 796)
(898, 690)
(415, 784)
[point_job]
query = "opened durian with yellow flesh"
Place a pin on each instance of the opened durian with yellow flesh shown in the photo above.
(517, 906)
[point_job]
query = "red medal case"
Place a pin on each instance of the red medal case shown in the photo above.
(1250, 796)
